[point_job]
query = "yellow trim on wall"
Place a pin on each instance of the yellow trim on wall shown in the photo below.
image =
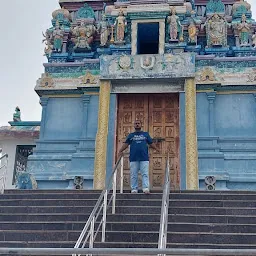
(100, 161)
(192, 181)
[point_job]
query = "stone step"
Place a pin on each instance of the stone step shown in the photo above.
(213, 210)
(70, 244)
(78, 196)
(77, 217)
(60, 235)
(215, 238)
(210, 246)
(50, 191)
(184, 192)
(130, 209)
(78, 226)
(180, 203)
(78, 209)
(231, 219)
(213, 196)
(183, 218)
(77, 202)
(175, 203)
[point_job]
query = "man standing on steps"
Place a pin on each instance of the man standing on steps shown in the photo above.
(139, 159)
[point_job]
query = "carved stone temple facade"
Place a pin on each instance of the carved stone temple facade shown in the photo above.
(186, 68)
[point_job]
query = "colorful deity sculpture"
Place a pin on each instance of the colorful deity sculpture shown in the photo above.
(192, 32)
(103, 30)
(84, 34)
(120, 28)
(57, 36)
(175, 27)
(62, 16)
(244, 31)
(48, 42)
(16, 115)
(216, 31)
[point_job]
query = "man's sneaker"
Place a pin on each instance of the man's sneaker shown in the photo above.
(146, 191)
(134, 191)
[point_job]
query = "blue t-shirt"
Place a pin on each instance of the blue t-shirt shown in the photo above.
(138, 145)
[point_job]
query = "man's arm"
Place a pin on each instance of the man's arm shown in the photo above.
(124, 147)
(153, 145)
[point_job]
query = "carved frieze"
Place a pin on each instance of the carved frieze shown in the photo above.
(89, 79)
(46, 81)
(148, 66)
(226, 76)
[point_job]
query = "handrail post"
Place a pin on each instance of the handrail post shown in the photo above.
(122, 176)
(92, 234)
(164, 210)
(104, 218)
(114, 195)
(102, 205)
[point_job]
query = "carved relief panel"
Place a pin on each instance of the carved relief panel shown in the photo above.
(164, 127)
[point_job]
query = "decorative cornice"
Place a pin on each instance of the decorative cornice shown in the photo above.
(44, 101)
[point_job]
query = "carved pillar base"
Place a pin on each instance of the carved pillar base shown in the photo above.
(101, 138)
(191, 136)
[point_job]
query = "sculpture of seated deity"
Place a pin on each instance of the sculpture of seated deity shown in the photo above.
(216, 31)
(83, 36)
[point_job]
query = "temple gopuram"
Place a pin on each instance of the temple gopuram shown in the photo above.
(186, 69)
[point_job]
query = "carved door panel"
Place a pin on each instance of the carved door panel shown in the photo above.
(164, 126)
(131, 107)
(160, 116)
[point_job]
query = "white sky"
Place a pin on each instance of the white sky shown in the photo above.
(21, 55)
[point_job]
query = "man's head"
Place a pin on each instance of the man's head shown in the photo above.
(137, 125)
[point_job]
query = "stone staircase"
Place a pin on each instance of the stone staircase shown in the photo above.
(55, 218)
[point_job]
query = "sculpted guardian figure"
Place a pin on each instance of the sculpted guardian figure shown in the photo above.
(175, 27)
(103, 30)
(120, 27)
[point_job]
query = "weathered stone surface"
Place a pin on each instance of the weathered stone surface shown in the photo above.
(148, 66)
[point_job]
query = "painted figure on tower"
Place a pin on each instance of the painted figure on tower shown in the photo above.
(120, 28)
(244, 30)
(58, 34)
(192, 32)
(103, 30)
(175, 27)
(84, 34)
(216, 31)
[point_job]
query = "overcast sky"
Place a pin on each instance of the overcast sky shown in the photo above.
(22, 23)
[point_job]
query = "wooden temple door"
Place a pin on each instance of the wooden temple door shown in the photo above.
(159, 114)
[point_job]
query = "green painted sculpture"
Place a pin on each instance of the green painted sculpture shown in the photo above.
(16, 115)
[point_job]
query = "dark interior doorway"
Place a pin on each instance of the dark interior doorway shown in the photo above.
(148, 38)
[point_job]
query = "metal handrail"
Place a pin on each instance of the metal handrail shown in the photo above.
(164, 209)
(4, 172)
(101, 205)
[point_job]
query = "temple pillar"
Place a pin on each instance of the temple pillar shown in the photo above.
(211, 98)
(102, 135)
(43, 102)
(192, 181)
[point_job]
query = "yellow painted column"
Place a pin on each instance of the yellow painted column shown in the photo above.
(191, 136)
(102, 135)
